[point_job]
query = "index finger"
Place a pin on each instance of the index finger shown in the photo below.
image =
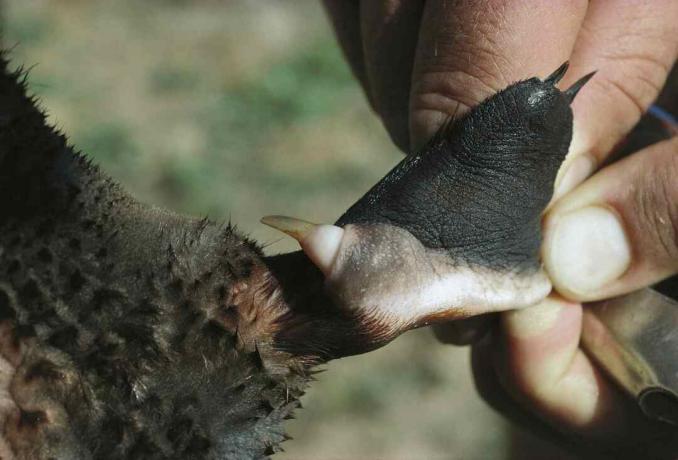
(468, 51)
(633, 46)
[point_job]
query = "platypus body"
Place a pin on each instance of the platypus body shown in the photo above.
(127, 331)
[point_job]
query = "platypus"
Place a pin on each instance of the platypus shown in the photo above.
(128, 331)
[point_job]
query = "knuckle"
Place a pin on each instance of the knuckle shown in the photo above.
(441, 94)
(656, 207)
(448, 91)
(625, 96)
(636, 81)
(457, 73)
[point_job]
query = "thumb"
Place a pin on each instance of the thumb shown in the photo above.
(618, 231)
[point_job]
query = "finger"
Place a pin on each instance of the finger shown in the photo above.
(541, 363)
(493, 393)
(633, 46)
(344, 15)
(389, 31)
(538, 374)
(618, 231)
(464, 331)
(470, 50)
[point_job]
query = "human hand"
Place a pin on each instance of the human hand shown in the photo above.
(630, 206)
(420, 64)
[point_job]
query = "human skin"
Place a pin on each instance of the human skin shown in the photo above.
(423, 62)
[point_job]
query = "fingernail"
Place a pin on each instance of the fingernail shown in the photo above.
(586, 250)
(575, 173)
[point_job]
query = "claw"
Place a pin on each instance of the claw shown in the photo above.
(572, 91)
(558, 74)
(296, 228)
(320, 242)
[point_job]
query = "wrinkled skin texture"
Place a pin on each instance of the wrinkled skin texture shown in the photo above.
(461, 219)
(131, 332)
(460, 194)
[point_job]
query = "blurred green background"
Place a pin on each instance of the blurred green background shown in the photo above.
(236, 110)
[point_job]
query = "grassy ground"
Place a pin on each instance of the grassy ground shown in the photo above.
(238, 110)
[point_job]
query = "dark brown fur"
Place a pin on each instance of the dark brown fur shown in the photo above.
(132, 332)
